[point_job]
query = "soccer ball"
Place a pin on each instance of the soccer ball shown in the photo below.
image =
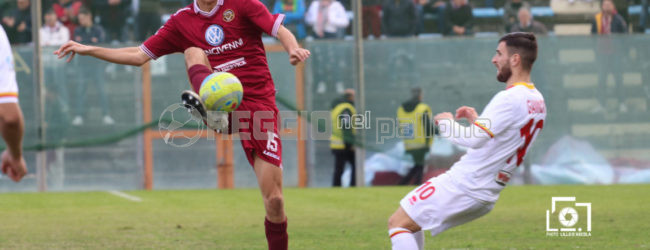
(221, 91)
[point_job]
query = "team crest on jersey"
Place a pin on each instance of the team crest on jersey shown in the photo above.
(214, 35)
(228, 15)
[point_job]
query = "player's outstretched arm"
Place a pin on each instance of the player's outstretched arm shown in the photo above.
(473, 136)
(11, 126)
(129, 55)
(290, 44)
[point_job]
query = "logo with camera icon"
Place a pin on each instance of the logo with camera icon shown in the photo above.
(572, 220)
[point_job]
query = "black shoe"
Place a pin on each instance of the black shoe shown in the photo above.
(194, 104)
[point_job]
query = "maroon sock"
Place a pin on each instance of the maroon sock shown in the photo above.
(276, 235)
(198, 73)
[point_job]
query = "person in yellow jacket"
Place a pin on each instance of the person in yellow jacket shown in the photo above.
(343, 136)
(414, 118)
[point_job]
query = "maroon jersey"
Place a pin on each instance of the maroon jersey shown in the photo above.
(231, 36)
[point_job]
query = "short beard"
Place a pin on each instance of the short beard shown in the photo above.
(505, 73)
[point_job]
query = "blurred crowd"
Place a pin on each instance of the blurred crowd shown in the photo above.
(94, 21)
(118, 21)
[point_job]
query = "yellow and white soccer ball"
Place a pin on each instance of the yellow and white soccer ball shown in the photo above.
(221, 91)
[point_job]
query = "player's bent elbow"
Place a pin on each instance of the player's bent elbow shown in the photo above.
(140, 60)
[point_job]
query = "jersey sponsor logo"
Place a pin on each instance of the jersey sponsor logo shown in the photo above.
(503, 177)
(226, 47)
(214, 35)
(272, 155)
(225, 67)
(228, 15)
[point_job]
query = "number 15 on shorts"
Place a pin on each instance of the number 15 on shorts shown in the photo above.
(423, 192)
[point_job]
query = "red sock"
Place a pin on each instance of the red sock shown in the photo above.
(198, 73)
(276, 235)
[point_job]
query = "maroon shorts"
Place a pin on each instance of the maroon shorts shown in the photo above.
(258, 131)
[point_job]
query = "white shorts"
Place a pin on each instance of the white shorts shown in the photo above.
(438, 205)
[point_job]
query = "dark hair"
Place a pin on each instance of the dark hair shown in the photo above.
(50, 11)
(85, 11)
(524, 44)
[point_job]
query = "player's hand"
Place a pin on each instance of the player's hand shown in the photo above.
(466, 112)
(71, 48)
(12, 167)
(298, 55)
(21, 27)
(9, 21)
(443, 116)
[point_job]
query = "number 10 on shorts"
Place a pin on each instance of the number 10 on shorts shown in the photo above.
(425, 191)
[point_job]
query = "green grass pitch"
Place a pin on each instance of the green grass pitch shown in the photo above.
(319, 218)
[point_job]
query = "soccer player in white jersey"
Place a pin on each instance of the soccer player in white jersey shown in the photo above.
(497, 140)
(11, 117)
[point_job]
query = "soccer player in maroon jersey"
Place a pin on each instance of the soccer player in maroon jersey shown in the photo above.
(225, 35)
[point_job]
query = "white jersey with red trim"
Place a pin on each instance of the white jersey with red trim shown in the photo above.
(8, 86)
(497, 141)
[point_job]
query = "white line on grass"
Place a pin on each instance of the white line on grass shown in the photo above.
(125, 196)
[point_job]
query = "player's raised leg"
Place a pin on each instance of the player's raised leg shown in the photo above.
(198, 69)
(198, 66)
(404, 232)
(269, 178)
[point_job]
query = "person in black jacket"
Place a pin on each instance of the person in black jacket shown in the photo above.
(399, 18)
(459, 18)
(608, 21)
(608, 54)
(113, 15)
(93, 70)
(18, 23)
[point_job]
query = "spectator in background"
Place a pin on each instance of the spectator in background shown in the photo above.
(371, 18)
(643, 18)
(605, 23)
(458, 18)
(5, 6)
(93, 69)
(528, 24)
(18, 23)
(436, 8)
(113, 15)
(54, 34)
(328, 19)
(415, 116)
(294, 19)
(148, 19)
(399, 18)
(67, 11)
(342, 139)
(608, 20)
(511, 13)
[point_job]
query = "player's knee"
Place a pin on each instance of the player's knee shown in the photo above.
(274, 202)
(194, 55)
(393, 221)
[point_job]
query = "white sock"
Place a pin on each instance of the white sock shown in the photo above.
(402, 239)
(419, 238)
